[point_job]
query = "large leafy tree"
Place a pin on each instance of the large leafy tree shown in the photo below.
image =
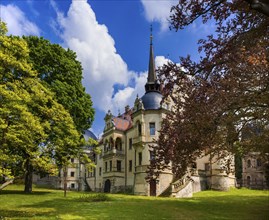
(36, 132)
(221, 103)
(62, 73)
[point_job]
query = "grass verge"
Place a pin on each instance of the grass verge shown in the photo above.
(51, 204)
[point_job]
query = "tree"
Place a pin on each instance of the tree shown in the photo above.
(62, 73)
(222, 101)
(36, 132)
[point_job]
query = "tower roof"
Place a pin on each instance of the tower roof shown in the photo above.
(152, 85)
(151, 70)
(152, 99)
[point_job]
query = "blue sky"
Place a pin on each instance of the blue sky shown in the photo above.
(111, 39)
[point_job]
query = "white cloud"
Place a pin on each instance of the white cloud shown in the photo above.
(103, 68)
(17, 22)
(161, 60)
(158, 11)
(95, 48)
(128, 95)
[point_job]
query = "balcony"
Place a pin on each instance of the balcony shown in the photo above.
(139, 139)
(114, 152)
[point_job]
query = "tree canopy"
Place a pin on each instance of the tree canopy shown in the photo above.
(62, 73)
(221, 102)
(37, 133)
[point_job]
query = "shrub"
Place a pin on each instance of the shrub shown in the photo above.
(97, 197)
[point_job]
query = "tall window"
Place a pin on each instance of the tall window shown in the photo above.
(139, 158)
(259, 162)
(106, 166)
(152, 128)
(130, 165)
(139, 127)
(207, 167)
(106, 146)
(130, 143)
(118, 165)
(110, 165)
(111, 144)
(249, 163)
(100, 171)
(72, 174)
(118, 144)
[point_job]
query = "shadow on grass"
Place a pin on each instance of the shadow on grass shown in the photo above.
(18, 192)
(21, 214)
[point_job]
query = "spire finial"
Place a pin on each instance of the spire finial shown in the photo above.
(151, 37)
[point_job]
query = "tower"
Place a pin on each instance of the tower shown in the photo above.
(153, 96)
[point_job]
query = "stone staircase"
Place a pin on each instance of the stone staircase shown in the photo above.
(180, 188)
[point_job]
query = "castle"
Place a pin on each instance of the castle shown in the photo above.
(125, 145)
(125, 153)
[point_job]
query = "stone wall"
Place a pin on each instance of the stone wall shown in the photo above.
(221, 182)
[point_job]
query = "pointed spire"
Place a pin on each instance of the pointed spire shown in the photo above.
(152, 84)
(151, 70)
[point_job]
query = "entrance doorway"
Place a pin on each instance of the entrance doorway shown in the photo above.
(152, 186)
(248, 181)
(107, 186)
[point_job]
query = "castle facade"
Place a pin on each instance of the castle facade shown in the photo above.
(126, 153)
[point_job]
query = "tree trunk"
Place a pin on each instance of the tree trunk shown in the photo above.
(65, 180)
(28, 179)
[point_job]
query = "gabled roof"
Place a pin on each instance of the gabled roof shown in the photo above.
(121, 124)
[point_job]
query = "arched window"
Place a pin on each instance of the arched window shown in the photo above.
(106, 146)
(139, 128)
(118, 144)
(111, 144)
(249, 163)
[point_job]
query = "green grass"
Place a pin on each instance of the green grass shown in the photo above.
(50, 204)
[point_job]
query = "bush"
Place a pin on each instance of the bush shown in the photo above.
(97, 197)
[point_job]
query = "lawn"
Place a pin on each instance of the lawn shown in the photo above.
(50, 204)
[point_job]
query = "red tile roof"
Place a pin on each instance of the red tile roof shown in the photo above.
(121, 124)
